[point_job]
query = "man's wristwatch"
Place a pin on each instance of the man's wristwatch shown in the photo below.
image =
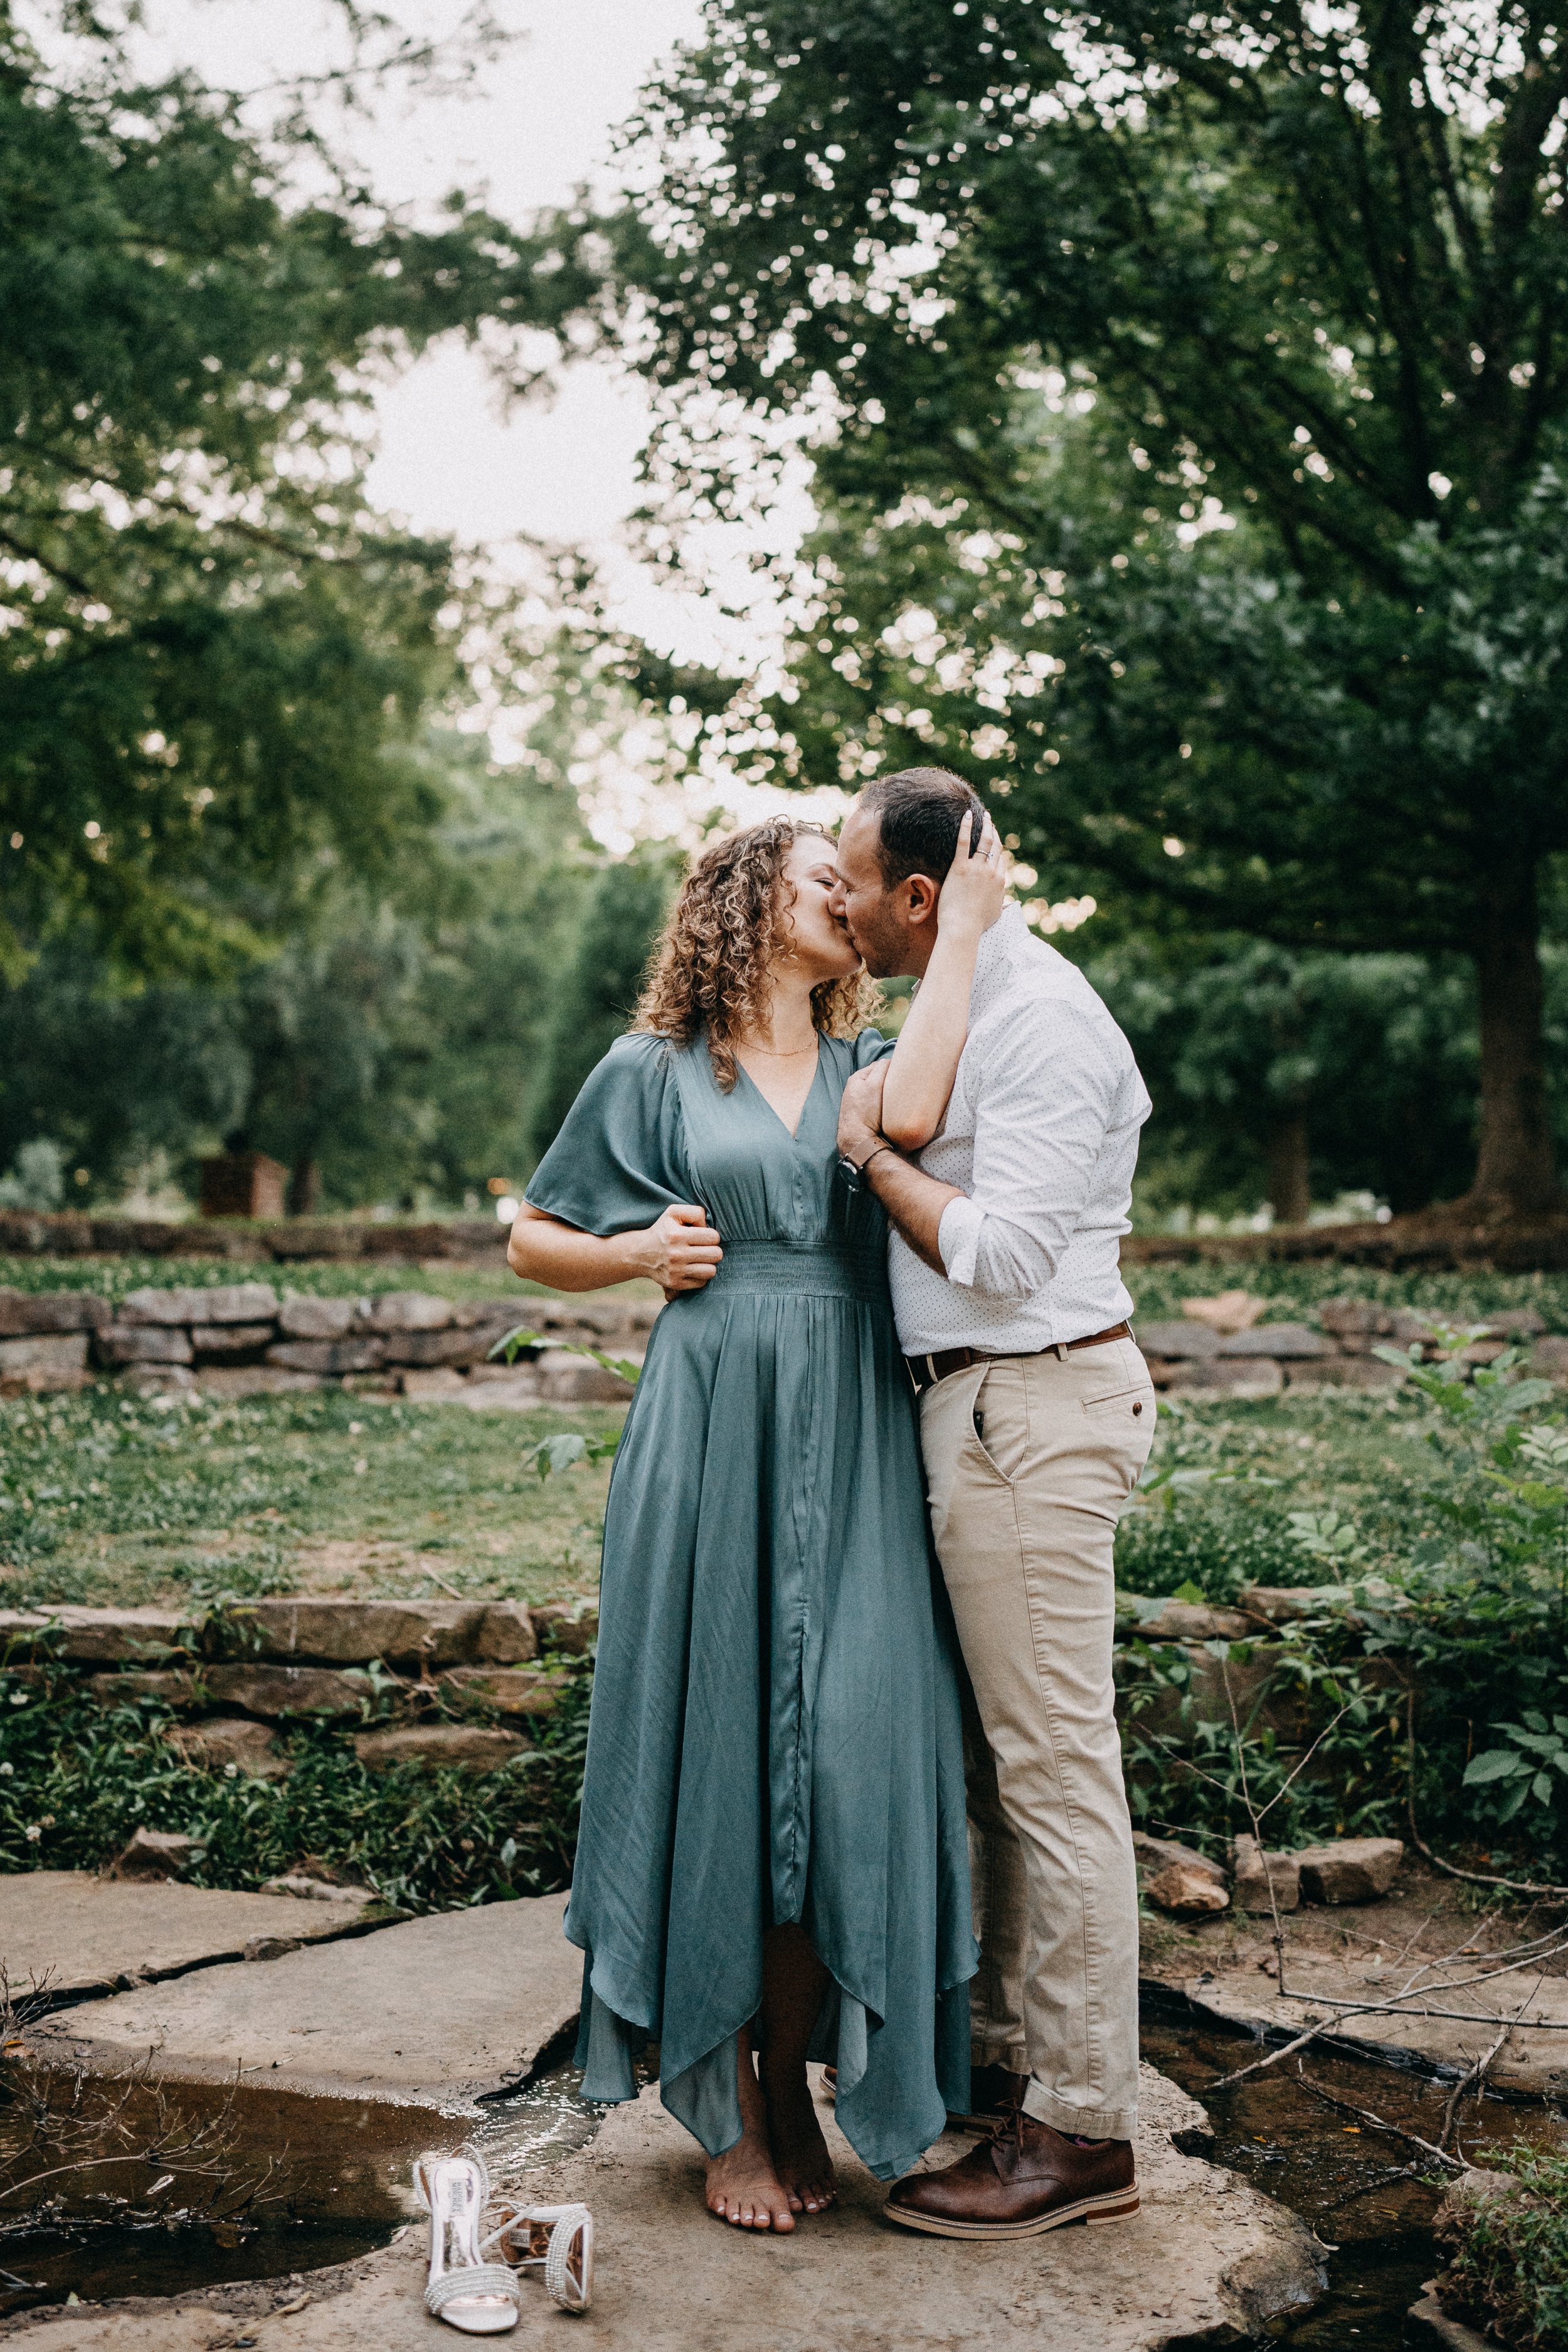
(854, 1170)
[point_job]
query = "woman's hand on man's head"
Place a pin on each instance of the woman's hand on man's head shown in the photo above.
(975, 890)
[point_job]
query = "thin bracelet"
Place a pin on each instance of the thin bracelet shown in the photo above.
(872, 1154)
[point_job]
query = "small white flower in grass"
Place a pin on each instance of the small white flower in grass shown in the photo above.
(34, 1833)
(6, 1770)
(360, 1467)
(231, 1772)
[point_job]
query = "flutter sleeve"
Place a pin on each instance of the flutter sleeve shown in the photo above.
(872, 1047)
(618, 1162)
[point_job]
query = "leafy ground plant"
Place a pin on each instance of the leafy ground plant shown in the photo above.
(77, 1780)
(1507, 2266)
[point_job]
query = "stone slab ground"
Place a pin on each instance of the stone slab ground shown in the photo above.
(66, 1931)
(1422, 1940)
(1531, 2064)
(1207, 2260)
(436, 2011)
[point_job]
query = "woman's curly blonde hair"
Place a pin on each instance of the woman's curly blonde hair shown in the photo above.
(729, 929)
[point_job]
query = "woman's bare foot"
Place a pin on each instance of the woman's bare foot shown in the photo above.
(744, 2190)
(800, 2152)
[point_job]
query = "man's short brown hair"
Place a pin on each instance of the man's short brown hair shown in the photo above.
(920, 813)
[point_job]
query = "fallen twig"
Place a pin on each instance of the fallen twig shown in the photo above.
(1475, 2075)
(1240, 2073)
(1378, 2123)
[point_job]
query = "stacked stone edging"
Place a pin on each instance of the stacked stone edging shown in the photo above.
(1262, 1361)
(25, 1233)
(231, 1675)
(242, 1340)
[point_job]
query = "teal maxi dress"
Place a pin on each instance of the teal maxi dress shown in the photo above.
(775, 1731)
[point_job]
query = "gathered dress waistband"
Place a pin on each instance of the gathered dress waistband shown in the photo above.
(805, 1269)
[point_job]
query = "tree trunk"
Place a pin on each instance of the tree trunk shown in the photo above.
(1289, 1171)
(304, 1188)
(1516, 1169)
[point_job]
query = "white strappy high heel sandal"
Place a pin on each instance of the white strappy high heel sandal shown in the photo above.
(477, 2297)
(559, 2240)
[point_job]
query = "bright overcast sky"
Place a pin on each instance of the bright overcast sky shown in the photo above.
(538, 123)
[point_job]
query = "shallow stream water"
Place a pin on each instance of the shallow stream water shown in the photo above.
(1366, 2194)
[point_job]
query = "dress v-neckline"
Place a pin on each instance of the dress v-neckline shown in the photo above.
(793, 1132)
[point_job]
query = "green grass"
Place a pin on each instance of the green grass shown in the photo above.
(107, 1498)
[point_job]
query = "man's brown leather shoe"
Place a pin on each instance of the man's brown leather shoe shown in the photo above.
(1024, 2179)
(993, 2092)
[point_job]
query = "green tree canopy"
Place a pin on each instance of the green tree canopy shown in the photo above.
(208, 638)
(601, 987)
(1191, 389)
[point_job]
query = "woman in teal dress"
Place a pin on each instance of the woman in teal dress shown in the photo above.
(773, 1862)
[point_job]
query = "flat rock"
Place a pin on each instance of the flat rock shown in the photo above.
(1283, 1604)
(1531, 2064)
(436, 2011)
(24, 1311)
(254, 1380)
(222, 1740)
(269, 1690)
(330, 1631)
(319, 1318)
(1208, 2258)
(133, 1343)
(1185, 1621)
(1154, 1854)
(1194, 1341)
(1284, 1340)
(1248, 1379)
(1346, 1372)
(44, 1351)
(1264, 1882)
(1188, 1890)
(96, 1636)
(336, 1355)
(567, 1379)
(410, 1310)
(1349, 1870)
(72, 1932)
(435, 1349)
(1233, 1311)
(1354, 1318)
(511, 1690)
(468, 1745)
(229, 1302)
(571, 1625)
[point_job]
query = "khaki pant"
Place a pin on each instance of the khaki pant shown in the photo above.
(1030, 1460)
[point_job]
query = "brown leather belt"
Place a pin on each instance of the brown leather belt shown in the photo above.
(926, 1370)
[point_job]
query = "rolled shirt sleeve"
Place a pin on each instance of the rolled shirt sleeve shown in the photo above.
(1040, 1125)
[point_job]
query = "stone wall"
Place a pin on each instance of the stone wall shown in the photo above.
(243, 1339)
(1338, 1352)
(397, 1678)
